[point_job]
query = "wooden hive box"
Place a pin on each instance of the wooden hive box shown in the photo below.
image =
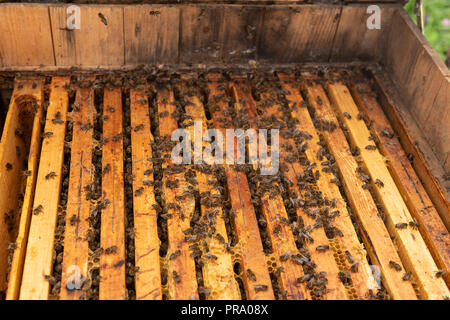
(91, 206)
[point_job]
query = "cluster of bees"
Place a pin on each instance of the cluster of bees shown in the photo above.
(203, 226)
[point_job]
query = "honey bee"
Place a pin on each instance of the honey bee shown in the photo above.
(251, 275)
(51, 175)
(379, 183)
(175, 255)
(176, 277)
(285, 256)
(47, 134)
(440, 273)
(347, 115)
(322, 248)
(102, 18)
(9, 166)
(106, 169)
(407, 276)
(38, 209)
(401, 225)
(395, 265)
(111, 250)
(260, 287)
(138, 192)
(354, 267)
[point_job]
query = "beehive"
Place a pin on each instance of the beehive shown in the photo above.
(358, 209)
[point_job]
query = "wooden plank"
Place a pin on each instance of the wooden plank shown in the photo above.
(354, 40)
(151, 34)
(184, 265)
(425, 163)
(76, 246)
(418, 77)
(99, 41)
(416, 198)
(362, 280)
(218, 274)
(146, 243)
(40, 247)
(325, 261)
(413, 250)
(212, 33)
(373, 231)
(300, 34)
(26, 35)
(273, 208)
(436, 124)
(112, 232)
(15, 273)
(245, 223)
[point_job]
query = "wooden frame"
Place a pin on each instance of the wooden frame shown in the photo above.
(413, 86)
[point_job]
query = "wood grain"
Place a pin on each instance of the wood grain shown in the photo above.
(15, 273)
(76, 246)
(151, 34)
(26, 35)
(147, 243)
(95, 43)
(112, 232)
(414, 252)
(40, 247)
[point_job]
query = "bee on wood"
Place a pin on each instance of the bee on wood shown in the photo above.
(395, 265)
(304, 278)
(322, 248)
(106, 169)
(175, 255)
(345, 278)
(148, 183)
(19, 132)
(176, 277)
(371, 147)
(102, 18)
(27, 173)
(260, 287)
(138, 192)
(73, 219)
(251, 275)
(51, 175)
(349, 256)
(413, 224)
(407, 276)
(319, 100)
(285, 256)
(354, 268)
(401, 225)
(210, 256)
(52, 280)
(203, 290)
(139, 127)
(47, 134)
(38, 209)
(12, 246)
(8, 166)
(379, 183)
(385, 132)
(116, 137)
(154, 13)
(440, 273)
(347, 115)
(86, 127)
(164, 114)
(111, 250)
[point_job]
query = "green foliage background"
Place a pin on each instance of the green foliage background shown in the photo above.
(435, 11)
